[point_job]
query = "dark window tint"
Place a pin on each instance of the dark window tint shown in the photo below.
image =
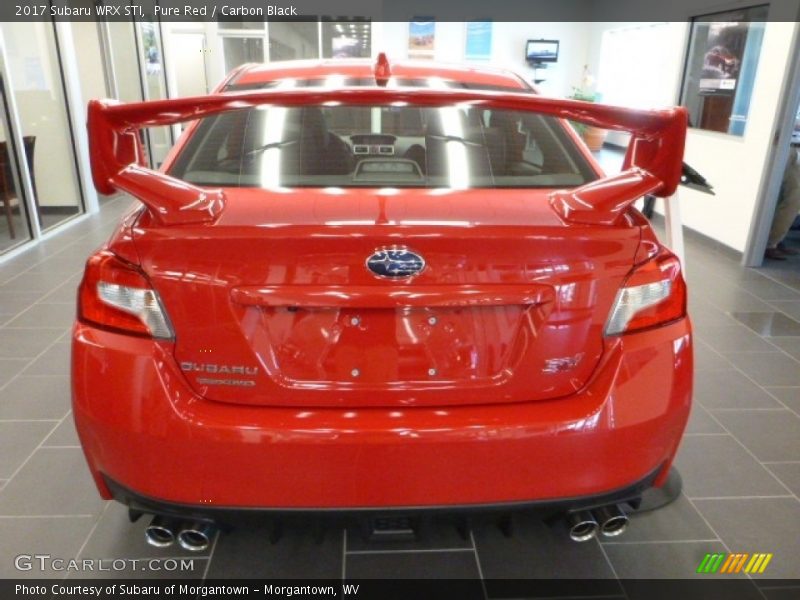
(380, 146)
(370, 81)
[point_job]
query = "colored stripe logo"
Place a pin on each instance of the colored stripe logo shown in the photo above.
(721, 562)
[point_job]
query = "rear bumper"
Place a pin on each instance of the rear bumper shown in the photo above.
(226, 515)
(144, 429)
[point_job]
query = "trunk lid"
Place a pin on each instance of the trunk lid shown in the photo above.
(275, 305)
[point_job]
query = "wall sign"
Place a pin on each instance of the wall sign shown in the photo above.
(478, 44)
(720, 68)
(421, 39)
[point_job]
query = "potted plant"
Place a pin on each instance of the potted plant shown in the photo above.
(593, 136)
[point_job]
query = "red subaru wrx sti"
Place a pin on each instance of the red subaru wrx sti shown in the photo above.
(380, 289)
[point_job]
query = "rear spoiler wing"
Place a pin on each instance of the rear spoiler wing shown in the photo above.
(653, 163)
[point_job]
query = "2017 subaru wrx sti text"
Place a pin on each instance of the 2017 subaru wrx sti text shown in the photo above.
(380, 287)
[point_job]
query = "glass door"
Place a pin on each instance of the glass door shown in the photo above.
(35, 80)
(136, 65)
(151, 64)
(14, 222)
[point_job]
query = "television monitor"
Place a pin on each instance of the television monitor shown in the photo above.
(541, 51)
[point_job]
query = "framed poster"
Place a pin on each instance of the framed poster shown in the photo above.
(720, 68)
(421, 38)
(478, 40)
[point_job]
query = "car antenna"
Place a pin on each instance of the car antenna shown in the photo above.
(382, 70)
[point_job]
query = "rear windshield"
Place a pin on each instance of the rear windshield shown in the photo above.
(381, 146)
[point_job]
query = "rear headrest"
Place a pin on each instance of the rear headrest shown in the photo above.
(501, 120)
(309, 123)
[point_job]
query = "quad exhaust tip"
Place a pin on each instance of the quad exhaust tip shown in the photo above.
(613, 521)
(582, 526)
(196, 536)
(160, 533)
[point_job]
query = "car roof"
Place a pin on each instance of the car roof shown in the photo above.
(418, 72)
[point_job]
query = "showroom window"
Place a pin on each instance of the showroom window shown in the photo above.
(14, 223)
(293, 40)
(139, 44)
(151, 54)
(243, 42)
(34, 93)
(240, 50)
(122, 52)
(346, 39)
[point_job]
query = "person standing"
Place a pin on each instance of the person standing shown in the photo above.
(786, 211)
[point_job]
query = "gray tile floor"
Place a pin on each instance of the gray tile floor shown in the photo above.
(740, 459)
(20, 223)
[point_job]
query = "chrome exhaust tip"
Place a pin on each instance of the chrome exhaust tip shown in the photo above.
(582, 526)
(160, 533)
(196, 537)
(613, 521)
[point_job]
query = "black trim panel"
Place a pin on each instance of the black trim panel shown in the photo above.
(139, 503)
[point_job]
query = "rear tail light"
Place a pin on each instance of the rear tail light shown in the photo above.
(654, 294)
(117, 295)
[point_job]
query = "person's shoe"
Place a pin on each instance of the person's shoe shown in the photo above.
(774, 254)
(788, 250)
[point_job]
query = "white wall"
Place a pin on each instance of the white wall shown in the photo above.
(677, 35)
(185, 63)
(733, 165)
(508, 48)
(736, 165)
